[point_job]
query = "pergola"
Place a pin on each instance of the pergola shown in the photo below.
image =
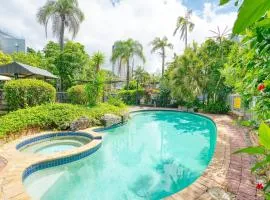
(19, 70)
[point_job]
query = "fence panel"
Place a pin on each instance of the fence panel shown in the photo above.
(237, 107)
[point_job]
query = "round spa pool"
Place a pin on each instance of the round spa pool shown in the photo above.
(155, 154)
(54, 142)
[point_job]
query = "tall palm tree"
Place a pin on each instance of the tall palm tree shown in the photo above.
(126, 50)
(161, 44)
(63, 14)
(184, 25)
(98, 59)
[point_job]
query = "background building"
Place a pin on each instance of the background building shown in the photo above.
(10, 44)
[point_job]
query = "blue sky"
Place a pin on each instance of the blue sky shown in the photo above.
(198, 5)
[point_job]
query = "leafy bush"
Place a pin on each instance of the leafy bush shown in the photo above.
(217, 108)
(52, 116)
(132, 86)
(77, 95)
(95, 88)
(25, 93)
(116, 101)
(129, 96)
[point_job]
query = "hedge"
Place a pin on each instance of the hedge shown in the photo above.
(25, 93)
(77, 95)
(52, 116)
(129, 96)
(216, 108)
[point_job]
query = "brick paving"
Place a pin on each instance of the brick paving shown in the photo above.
(240, 180)
(3, 163)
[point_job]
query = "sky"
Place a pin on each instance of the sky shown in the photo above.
(142, 20)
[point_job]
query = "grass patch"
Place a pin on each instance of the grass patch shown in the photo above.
(52, 116)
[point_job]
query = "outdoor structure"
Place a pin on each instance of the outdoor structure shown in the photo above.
(19, 70)
(10, 44)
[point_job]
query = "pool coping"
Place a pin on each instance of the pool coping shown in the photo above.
(11, 176)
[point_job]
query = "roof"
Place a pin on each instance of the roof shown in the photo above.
(4, 78)
(24, 70)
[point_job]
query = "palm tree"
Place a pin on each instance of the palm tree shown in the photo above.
(98, 59)
(161, 44)
(184, 25)
(63, 14)
(219, 35)
(125, 51)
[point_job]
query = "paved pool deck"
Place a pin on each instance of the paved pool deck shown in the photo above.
(226, 170)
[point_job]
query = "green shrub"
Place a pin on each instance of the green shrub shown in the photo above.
(52, 116)
(129, 96)
(25, 93)
(95, 88)
(77, 95)
(132, 86)
(116, 101)
(216, 108)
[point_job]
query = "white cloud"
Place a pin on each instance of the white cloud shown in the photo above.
(139, 19)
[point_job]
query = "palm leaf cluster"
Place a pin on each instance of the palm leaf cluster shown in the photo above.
(124, 51)
(63, 14)
(184, 25)
(159, 45)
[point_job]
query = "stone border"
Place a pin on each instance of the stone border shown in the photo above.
(18, 162)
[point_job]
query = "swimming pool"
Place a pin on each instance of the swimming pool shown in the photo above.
(153, 155)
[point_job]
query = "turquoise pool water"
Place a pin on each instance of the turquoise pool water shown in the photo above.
(157, 153)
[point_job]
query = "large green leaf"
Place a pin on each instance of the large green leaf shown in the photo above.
(251, 150)
(265, 23)
(249, 12)
(261, 164)
(222, 2)
(264, 135)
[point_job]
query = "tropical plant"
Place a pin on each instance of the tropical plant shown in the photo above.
(141, 76)
(4, 58)
(98, 59)
(125, 50)
(251, 12)
(262, 151)
(247, 67)
(71, 63)
(95, 88)
(160, 45)
(184, 25)
(197, 72)
(64, 14)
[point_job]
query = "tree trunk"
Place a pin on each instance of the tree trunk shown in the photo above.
(186, 36)
(62, 33)
(163, 60)
(128, 73)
